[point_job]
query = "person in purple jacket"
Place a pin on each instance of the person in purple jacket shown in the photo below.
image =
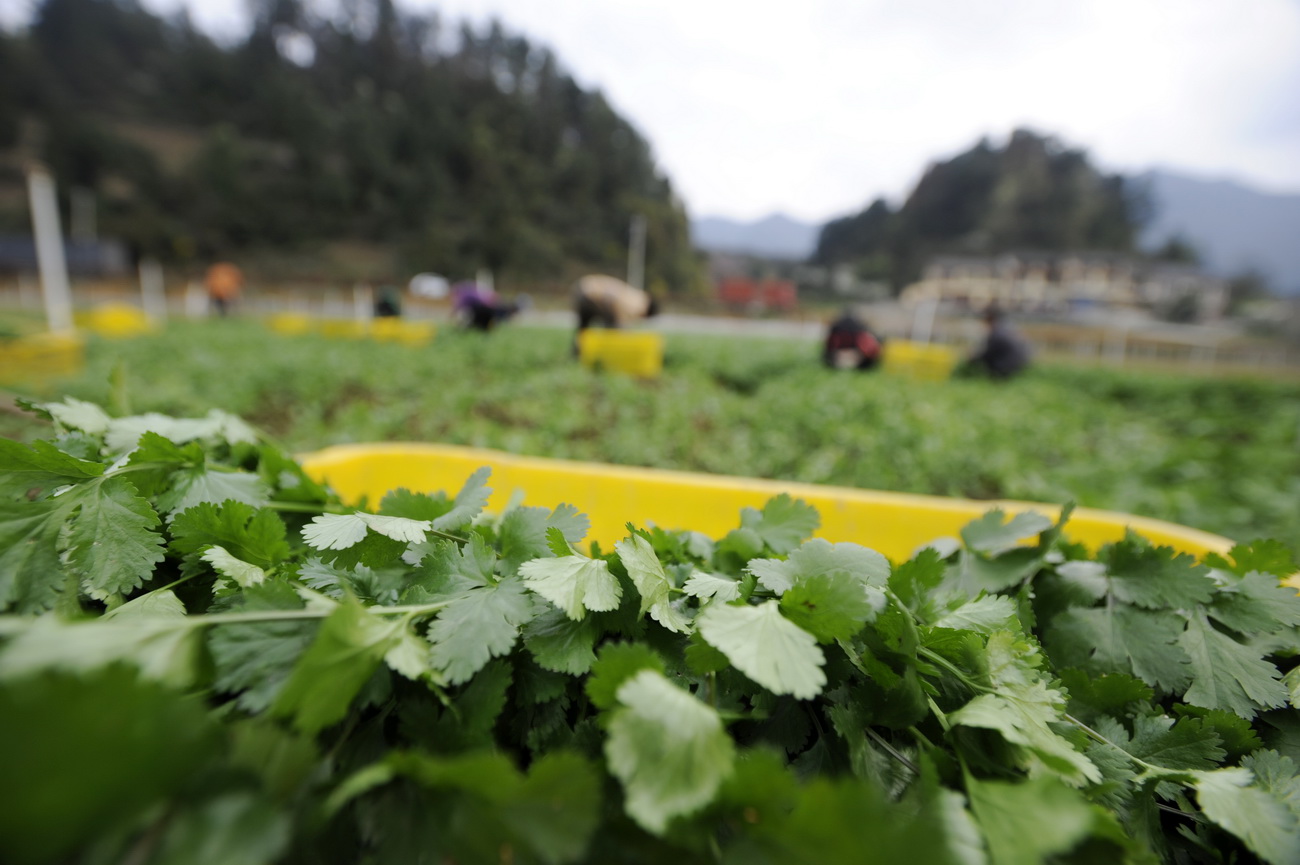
(479, 307)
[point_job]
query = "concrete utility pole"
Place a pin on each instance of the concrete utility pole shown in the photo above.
(49, 250)
(363, 302)
(152, 296)
(923, 319)
(636, 253)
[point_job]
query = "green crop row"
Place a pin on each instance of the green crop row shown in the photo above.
(1220, 455)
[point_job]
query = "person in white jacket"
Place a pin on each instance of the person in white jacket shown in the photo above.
(610, 302)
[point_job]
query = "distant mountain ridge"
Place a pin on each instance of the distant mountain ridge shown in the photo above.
(1234, 228)
(775, 236)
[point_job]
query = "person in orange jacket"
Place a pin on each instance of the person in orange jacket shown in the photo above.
(224, 282)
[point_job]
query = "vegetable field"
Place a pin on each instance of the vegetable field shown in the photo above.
(207, 658)
(1219, 455)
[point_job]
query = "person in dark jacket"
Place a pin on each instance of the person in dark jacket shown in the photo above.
(850, 344)
(1004, 353)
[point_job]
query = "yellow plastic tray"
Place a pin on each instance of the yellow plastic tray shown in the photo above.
(919, 360)
(382, 329)
(895, 524)
(41, 356)
(638, 353)
(116, 321)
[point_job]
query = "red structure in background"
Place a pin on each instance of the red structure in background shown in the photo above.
(779, 295)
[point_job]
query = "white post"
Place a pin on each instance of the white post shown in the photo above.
(923, 319)
(636, 253)
(152, 296)
(196, 301)
(49, 251)
(485, 281)
(363, 302)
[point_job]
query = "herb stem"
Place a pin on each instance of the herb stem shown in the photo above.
(1103, 740)
(305, 508)
(409, 610)
(921, 737)
(892, 751)
(940, 661)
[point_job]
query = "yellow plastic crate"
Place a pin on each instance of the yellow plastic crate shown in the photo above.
(341, 328)
(400, 330)
(639, 353)
(41, 356)
(895, 524)
(919, 360)
(290, 323)
(116, 321)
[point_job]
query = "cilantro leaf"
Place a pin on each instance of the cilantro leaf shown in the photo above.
(164, 648)
(983, 615)
(252, 535)
(468, 504)
(1105, 694)
(647, 574)
(615, 664)
(711, 586)
(227, 827)
(29, 554)
(192, 486)
(989, 534)
(253, 660)
(1156, 577)
(71, 413)
(524, 531)
(573, 583)
(362, 538)
(783, 523)
(40, 465)
(1122, 639)
(667, 748)
(1266, 556)
(1255, 603)
(83, 782)
(112, 543)
(1257, 816)
(765, 646)
(817, 557)
(1226, 674)
(1022, 708)
(401, 502)
(1026, 822)
(478, 625)
(561, 644)
(340, 531)
(831, 607)
(348, 648)
(228, 566)
(411, 656)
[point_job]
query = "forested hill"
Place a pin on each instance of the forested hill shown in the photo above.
(425, 142)
(1033, 193)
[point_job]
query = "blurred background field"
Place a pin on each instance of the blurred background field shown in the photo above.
(1219, 453)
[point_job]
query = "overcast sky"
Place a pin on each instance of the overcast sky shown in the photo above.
(813, 108)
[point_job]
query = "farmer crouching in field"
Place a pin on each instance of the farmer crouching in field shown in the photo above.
(1004, 353)
(609, 302)
(479, 307)
(850, 344)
